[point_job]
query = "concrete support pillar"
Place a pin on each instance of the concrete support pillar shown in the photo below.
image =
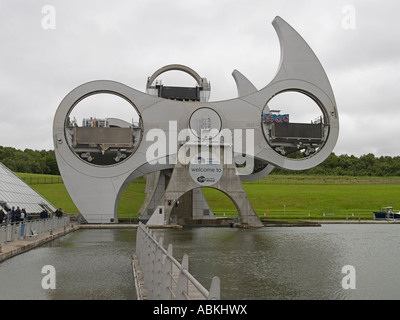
(156, 182)
(192, 205)
(181, 183)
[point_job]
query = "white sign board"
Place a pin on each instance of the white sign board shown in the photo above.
(206, 169)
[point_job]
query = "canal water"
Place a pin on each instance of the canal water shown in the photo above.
(267, 263)
(88, 264)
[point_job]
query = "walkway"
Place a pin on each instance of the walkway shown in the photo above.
(12, 248)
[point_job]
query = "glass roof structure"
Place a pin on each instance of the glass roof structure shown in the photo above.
(15, 192)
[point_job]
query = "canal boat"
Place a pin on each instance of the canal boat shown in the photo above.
(387, 213)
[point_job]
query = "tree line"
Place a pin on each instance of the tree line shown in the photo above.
(44, 162)
(29, 161)
(345, 165)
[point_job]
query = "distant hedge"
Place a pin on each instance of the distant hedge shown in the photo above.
(44, 162)
(345, 165)
(29, 161)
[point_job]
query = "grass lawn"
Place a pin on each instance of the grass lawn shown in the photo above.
(284, 197)
(56, 193)
(312, 199)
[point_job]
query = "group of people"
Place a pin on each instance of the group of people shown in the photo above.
(44, 214)
(14, 215)
(19, 215)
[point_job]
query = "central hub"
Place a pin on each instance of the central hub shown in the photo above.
(205, 123)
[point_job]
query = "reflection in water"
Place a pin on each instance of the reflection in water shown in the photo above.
(267, 263)
(293, 263)
(255, 264)
(89, 264)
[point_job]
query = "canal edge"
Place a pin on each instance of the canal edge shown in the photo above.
(11, 249)
(14, 248)
(141, 291)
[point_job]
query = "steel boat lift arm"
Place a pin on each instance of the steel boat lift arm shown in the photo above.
(299, 71)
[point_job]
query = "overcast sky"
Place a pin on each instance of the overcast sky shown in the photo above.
(44, 56)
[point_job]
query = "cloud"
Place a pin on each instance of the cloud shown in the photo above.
(127, 41)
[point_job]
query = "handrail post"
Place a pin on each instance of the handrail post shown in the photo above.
(158, 265)
(182, 289)
(167, 275)
(215, 289)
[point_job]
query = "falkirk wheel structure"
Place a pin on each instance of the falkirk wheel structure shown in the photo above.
(182, 142)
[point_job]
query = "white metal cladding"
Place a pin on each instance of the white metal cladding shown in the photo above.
(15, 192)
(96, 189)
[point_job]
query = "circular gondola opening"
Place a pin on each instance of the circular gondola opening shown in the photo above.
(294, 125)
(103, 129)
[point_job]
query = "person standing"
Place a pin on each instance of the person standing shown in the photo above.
(43, 214)
(2, 215)
(18, 214)
(12, 215)
(59, 213)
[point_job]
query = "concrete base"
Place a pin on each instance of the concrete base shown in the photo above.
(156, 182)
(158, 217)
(176, 201)
(193, 203)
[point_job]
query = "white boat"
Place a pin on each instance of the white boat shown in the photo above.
(386, 213)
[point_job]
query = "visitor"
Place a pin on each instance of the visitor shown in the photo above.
(2, 216)
(7, 217)
(18, 214)
(43, 214)
(23, 214)
(12, 215)
(59, 213)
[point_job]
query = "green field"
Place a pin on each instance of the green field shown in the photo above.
(295, 197)
(284, 197)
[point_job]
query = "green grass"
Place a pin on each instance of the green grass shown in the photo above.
(313, 197)
(130, 202)
(285, 197)
(132, 199)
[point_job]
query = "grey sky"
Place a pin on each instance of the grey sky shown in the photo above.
(127, 41)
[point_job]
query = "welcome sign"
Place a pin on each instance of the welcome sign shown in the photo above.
(205, 169)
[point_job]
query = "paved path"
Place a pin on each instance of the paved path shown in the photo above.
(12, 248)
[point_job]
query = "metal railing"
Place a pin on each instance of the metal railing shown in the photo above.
(164, 277)
(43, 180)
(16, 231)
